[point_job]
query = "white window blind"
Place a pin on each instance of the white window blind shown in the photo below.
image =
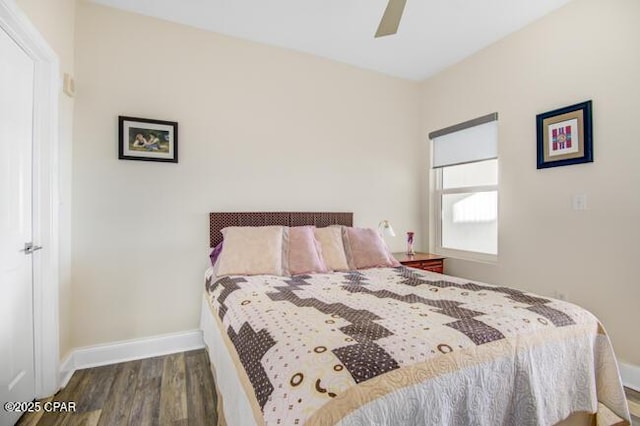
(467, 142)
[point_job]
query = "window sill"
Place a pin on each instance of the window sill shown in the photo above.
(471, 256)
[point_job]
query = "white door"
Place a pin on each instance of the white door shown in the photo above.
(17, 382)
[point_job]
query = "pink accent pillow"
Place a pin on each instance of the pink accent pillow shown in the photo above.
(305, 255)
(366, 249)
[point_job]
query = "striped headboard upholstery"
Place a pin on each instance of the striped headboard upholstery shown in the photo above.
(220, 220)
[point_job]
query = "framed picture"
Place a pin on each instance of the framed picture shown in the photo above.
(147, 140)
(565, 136)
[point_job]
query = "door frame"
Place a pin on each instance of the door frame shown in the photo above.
(45, 196)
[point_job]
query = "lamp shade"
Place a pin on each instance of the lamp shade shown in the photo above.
(385, 228)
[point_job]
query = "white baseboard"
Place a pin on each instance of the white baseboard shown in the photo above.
(66, 370)
(128, 350)
(630, 375)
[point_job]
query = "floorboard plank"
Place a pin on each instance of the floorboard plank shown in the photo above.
(146, 401)
(32, 419)
(117, 406)
(173, 392)
(200, 394)
(75, 386)
(54, 418)
(90, 418)
(209, 393)
(96, 389)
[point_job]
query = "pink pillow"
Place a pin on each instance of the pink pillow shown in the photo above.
(305, 256)
(366, 249)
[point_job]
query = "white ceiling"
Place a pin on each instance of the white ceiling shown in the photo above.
(433, 34)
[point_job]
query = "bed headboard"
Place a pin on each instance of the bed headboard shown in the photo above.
(220, 220)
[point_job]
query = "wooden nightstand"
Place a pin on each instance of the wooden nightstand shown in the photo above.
(426, 261)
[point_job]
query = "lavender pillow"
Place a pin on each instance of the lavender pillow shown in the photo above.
(366, 249)
(305, 255)
(215, 253)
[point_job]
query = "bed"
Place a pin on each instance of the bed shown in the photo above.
(398, 346)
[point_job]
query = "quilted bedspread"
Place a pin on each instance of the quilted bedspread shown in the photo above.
(403, 346)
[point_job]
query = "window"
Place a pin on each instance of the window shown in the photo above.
(465, 194)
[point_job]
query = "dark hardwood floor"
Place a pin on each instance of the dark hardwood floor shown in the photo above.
(174, 389)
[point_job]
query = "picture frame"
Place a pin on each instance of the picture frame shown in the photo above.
(146, 139)
(565, 136)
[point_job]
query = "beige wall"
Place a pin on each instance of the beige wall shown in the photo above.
(260, 128)
(267, 128)
(55, 19)
(586, 50)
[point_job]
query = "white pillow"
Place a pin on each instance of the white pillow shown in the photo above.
(330, 239)
(251, 250)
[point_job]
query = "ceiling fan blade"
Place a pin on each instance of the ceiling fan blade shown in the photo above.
(391, 18)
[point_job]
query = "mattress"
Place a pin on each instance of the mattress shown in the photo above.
(404, 347)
